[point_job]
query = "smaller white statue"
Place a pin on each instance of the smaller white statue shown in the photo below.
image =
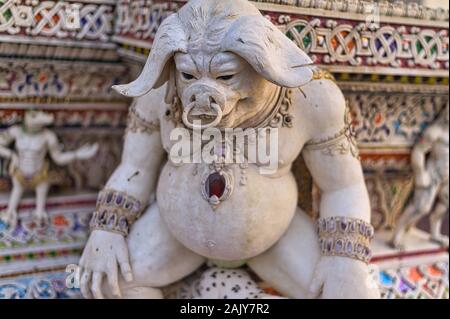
(430, 163)
(29, 166)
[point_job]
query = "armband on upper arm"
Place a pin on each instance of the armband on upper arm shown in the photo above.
(341, 143)
(137, 124)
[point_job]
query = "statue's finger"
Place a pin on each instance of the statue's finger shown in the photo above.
(113, 280)
(96, 287)
(316, 285)
(125, 268)
(84, 284)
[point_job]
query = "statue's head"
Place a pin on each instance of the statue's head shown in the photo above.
(37, 120)
(221, 59)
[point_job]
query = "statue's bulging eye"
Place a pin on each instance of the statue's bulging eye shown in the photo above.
(226, 77)
(188, 76)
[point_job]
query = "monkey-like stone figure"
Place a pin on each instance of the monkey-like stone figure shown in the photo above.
(222, 64)
(430, 163)
(29, 166)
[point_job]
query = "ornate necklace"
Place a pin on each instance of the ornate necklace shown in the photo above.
(218, 181)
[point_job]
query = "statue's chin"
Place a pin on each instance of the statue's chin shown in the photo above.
(204, 120)
(228, 121)
(234, 119)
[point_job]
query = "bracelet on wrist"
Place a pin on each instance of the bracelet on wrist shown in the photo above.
(345, 237)
(115, 212)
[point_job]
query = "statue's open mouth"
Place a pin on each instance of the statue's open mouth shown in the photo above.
(194, 119)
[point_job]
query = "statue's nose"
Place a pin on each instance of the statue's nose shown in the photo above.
(203, 100)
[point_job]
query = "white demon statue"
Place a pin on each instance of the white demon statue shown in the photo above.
(430, 163)
(29, 167)
(220, 64)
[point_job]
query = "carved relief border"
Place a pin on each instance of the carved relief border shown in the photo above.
(346, 45)
(79, 21)
(354, 44)
(50, 82)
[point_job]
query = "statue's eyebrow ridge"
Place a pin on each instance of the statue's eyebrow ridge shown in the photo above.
(225, 60)
(195, 62)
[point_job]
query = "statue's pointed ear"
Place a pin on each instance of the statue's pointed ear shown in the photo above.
(268, 51)
(169, 39)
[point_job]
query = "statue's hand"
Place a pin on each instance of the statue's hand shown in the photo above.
(343, 278)
(87, 151)
(423, 179)
(104, 253)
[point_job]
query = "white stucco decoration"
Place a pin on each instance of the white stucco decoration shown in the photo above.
(430, 163)
(222, 62)
(28, 164)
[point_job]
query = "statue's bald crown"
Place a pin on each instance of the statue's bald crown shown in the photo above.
(207, 21)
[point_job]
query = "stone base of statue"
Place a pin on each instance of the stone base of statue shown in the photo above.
(419, 271)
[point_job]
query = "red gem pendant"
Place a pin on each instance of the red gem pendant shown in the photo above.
(215, 185)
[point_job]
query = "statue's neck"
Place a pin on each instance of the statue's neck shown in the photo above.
(270, 101)
(32, 130)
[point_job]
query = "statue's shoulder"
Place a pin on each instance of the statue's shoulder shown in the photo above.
(14, 131)
(433, 132)
(151, 105)
(50, 136)
(321, 103)
(322, 74)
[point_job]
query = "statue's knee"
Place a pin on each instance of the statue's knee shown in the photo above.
(439, 212)
(424, 209)
(422, 212)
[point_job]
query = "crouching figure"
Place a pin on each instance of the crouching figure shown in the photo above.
(218, 65)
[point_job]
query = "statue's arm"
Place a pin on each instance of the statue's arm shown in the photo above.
(332, 156)
(142, 155)
(6, 138)
(134, 181)
(55, 150)
(63, 158)
(123, 199)
(344, 226)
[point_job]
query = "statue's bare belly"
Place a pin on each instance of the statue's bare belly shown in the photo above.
(249, 222)
(32, 151)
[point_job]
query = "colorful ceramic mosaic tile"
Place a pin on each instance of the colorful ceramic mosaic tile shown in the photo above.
(418, 282)
(64, 228)
(39, 286)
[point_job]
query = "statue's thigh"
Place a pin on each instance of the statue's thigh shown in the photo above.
(289, 265)
(424, 198)
(157, 258)
(444, 193)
